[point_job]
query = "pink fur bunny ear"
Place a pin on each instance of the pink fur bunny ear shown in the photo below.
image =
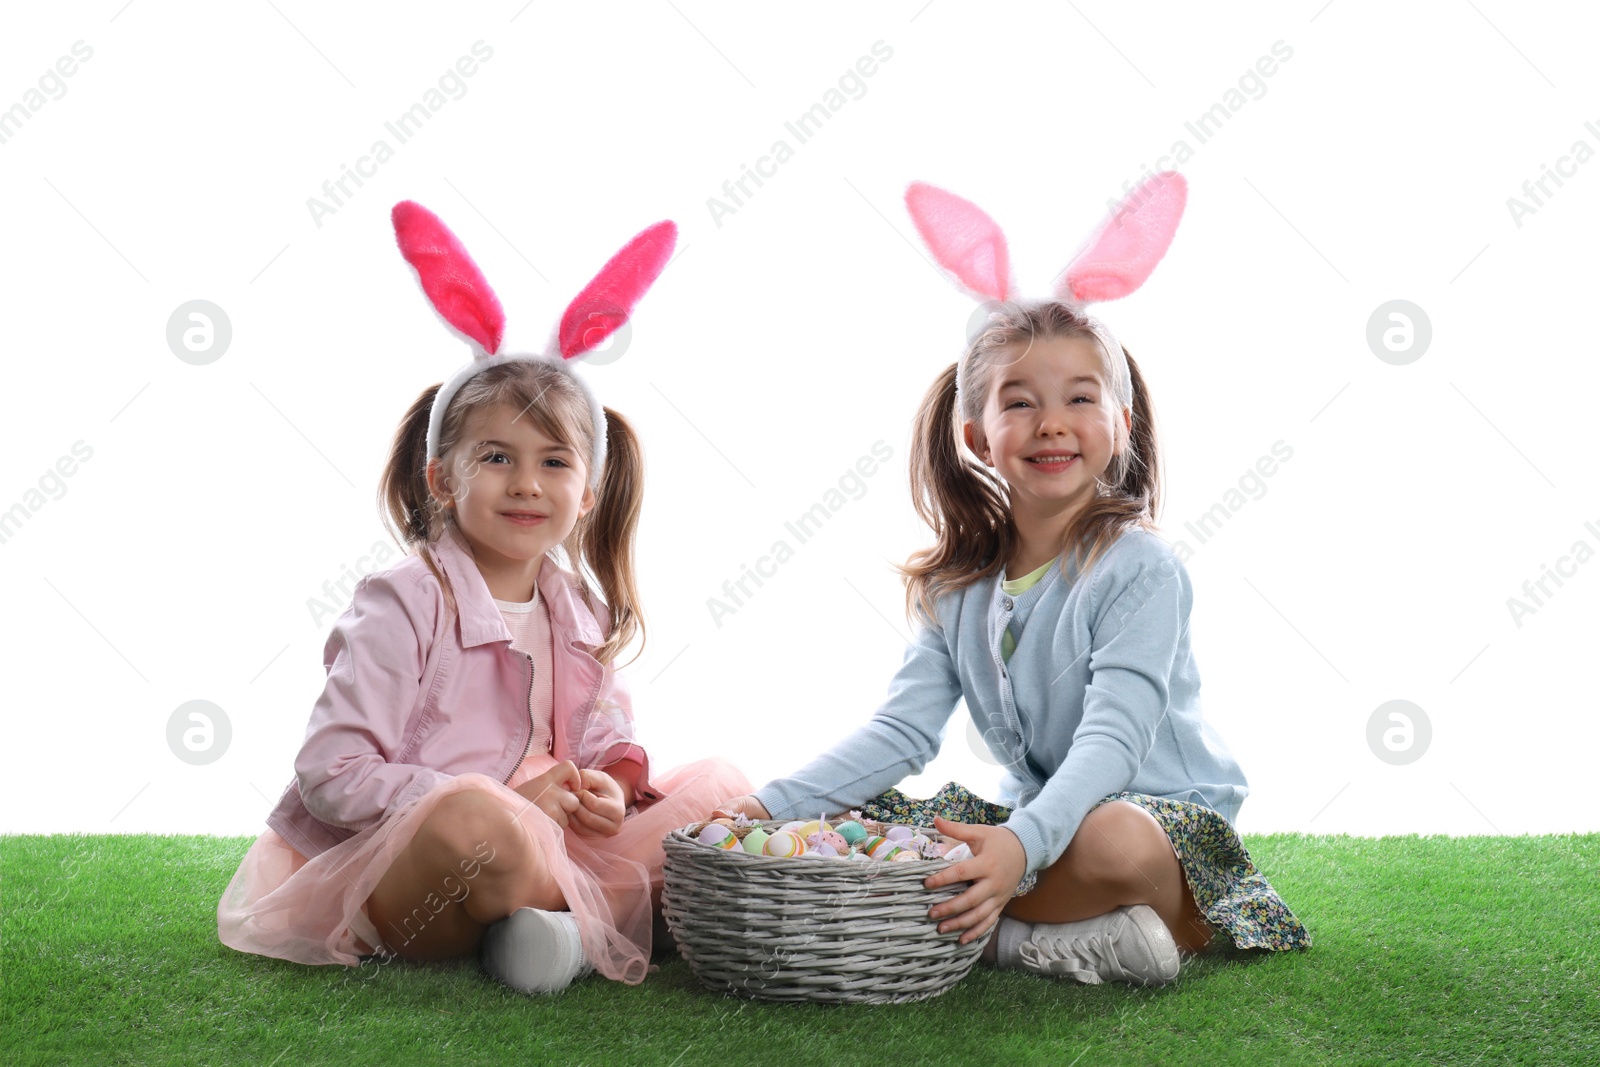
(452, 282)
(608, 300)
(1118, 258)
(965, 240)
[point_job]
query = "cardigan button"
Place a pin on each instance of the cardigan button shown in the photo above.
(1008, 603)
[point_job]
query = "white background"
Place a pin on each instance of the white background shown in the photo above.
(783, 342)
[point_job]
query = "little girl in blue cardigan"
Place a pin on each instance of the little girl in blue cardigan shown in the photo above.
(1051, 607)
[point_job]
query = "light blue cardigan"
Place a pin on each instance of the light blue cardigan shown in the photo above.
(1100, 695)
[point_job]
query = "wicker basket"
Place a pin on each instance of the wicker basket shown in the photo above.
(828, 930)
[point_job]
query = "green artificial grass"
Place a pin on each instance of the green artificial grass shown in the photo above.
(1460, 951)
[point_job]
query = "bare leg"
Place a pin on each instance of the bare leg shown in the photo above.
(470, 865)
(1120, 855)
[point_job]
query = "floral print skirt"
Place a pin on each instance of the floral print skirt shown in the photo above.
(1234, 897)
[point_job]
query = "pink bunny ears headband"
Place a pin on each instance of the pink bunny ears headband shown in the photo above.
(1113, 262)
(461, 295)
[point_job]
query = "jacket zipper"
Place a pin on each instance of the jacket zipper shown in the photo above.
(528, 703)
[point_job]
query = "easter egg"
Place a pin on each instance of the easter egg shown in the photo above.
(718, 837)
(806, 829)
(919, 842)
(822, 848)
(881, 848)
(935, 849)
(899, 833)
(829, 838)
(958, 853)
(783, 844)
(729, 823)
(852, 831)
(754, 840)
(792, 825)
(901, 855)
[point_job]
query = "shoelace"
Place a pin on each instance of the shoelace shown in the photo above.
(1085, 959)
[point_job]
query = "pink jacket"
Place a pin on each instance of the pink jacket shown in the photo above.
(416, 695)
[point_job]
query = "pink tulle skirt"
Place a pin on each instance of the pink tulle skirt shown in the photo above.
(281, 904)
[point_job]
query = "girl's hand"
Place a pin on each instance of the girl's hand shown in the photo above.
(600, 805)
(998, 863)
(555, 792)
(748, 806)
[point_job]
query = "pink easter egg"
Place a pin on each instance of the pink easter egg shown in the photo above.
(806, 829)
(833, 840)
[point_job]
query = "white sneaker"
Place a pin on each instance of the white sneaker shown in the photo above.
(535, 951)
(1130, 944)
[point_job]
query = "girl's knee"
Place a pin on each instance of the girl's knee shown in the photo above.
(479, 828)
(1121, 843)
(475, 823)
(1125, 821)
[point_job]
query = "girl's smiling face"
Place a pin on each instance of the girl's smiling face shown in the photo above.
(1048, 426)
(516, 493)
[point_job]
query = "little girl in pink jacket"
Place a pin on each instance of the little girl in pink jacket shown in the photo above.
(470, 780)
